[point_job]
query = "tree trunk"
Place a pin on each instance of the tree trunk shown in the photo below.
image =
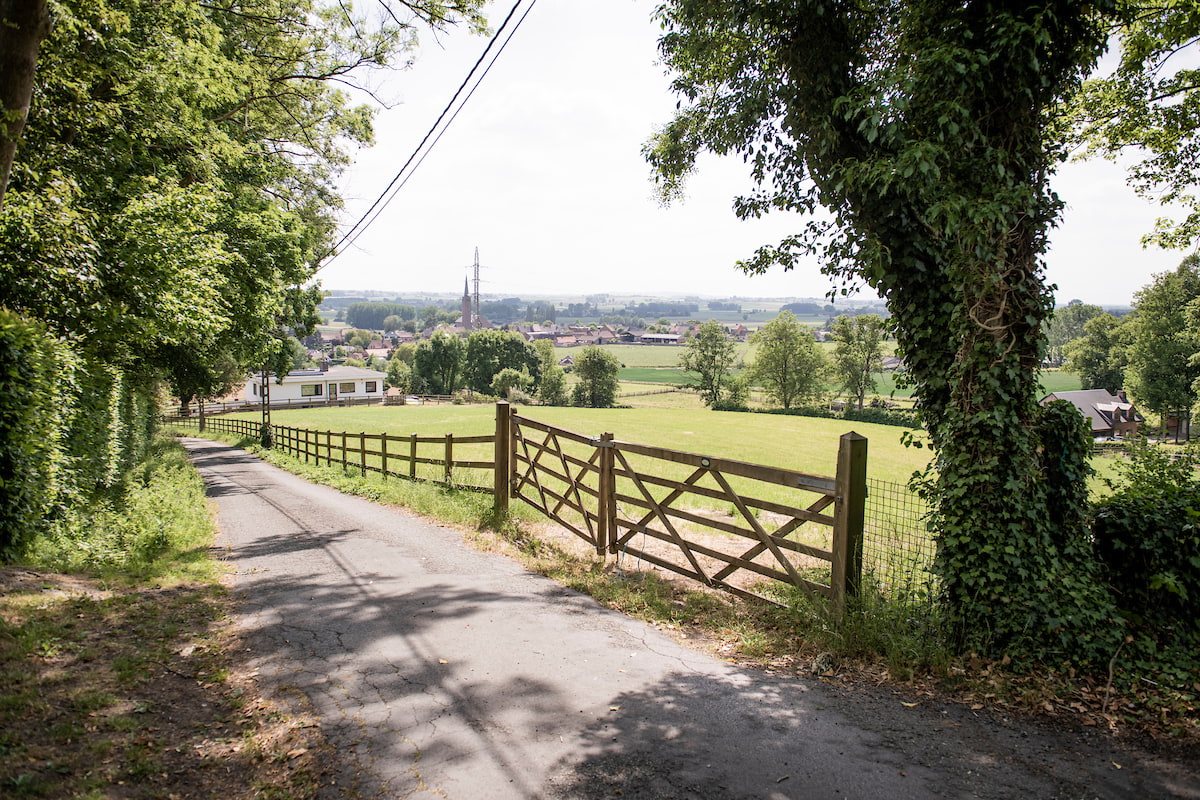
(23, 26)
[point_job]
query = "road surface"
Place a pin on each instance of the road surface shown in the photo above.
(440, 671)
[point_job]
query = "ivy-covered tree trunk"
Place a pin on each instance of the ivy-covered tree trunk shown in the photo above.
(23, 26)
(923, 128)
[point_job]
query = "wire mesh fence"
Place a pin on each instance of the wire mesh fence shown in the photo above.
(897, 549)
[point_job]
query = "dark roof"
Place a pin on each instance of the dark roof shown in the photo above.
(1100, 407)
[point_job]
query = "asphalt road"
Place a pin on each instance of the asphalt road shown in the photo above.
(441, 671)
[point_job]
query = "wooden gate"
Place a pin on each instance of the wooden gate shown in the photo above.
(729, 524)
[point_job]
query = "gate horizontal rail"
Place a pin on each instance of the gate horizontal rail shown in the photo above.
(665, 507)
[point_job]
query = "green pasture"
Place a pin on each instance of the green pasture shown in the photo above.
(805, 444)
(653, 375)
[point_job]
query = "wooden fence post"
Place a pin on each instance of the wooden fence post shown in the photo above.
(503, 452)
(200, 403)
(362, 452)
(383, 454)
(849, 518)
(412, 457)
(606, 498)
(449, 458)
(344, 462)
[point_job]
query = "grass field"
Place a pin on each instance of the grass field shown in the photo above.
(799, 443)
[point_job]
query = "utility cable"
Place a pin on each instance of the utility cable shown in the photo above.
(418, 157)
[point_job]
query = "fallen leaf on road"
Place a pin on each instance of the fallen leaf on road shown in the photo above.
(910, 705)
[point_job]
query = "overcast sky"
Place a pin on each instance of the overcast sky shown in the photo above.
(542, 171)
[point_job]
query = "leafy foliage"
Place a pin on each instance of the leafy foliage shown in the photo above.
(31, 462)
(858, 353)
(788, 363)
(1162, 368)
(1066, 326)
(552, 389)
(1149, 107)
(596, 371)
(710, 354)
(490, 352)
(1099, 356)
(1148, 539)
(438, 362)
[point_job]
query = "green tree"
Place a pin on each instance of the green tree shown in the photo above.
(399, 375)
(439, 362)
(1099, 356)
(489, 352)
(596, 371)
(711, 355)
(176, 180)
(1066, 326)
(1149, 108)
(23, 26)
(552, 389)
(508, 379)
(1163, 347)
(858, 353)
(923, 128)
(788, 362)
(392, 322)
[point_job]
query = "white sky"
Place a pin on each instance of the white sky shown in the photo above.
(542, 171)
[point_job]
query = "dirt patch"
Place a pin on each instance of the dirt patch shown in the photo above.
(132, 693)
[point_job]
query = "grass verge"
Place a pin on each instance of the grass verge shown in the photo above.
(120, 672)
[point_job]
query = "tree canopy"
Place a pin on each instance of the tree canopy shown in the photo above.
(596, 375)
(174, 185)
(858, 353)
(1148, 109)
(788, 362)
(1163, 367)
(710, 355)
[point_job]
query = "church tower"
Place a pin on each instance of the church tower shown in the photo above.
(468, 321)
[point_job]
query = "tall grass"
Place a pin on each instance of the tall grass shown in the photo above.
(152, 525)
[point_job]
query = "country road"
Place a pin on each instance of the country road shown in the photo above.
(441, 671)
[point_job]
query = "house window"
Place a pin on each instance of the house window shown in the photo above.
(310, 390)
(254, 386)
(346, 388)
(371, 386)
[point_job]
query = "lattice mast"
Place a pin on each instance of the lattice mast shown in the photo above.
(475, 296)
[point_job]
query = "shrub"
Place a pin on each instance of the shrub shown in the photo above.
(1147, 537)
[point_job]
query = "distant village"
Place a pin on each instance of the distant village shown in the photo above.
(653, 322)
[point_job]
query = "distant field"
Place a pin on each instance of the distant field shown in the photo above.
(800, 443)
(660, 375)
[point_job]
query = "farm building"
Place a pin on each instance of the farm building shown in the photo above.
(315, 385)
(1109, 415)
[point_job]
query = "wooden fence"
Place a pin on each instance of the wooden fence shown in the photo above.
(241, 406)
(436, 459)
(728, 524)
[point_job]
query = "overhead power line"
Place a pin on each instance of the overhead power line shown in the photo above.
(431, 138)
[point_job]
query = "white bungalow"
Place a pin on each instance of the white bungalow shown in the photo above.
(315, 385)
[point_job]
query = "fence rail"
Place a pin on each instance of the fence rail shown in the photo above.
(236, 406)
(731, 525)
(668, 508)
(444, 458)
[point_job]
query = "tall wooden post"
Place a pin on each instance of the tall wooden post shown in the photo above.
(848, 521)
(412, 457)
(383, 467)
(502, 458)
(449, 458)
(606, 491)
